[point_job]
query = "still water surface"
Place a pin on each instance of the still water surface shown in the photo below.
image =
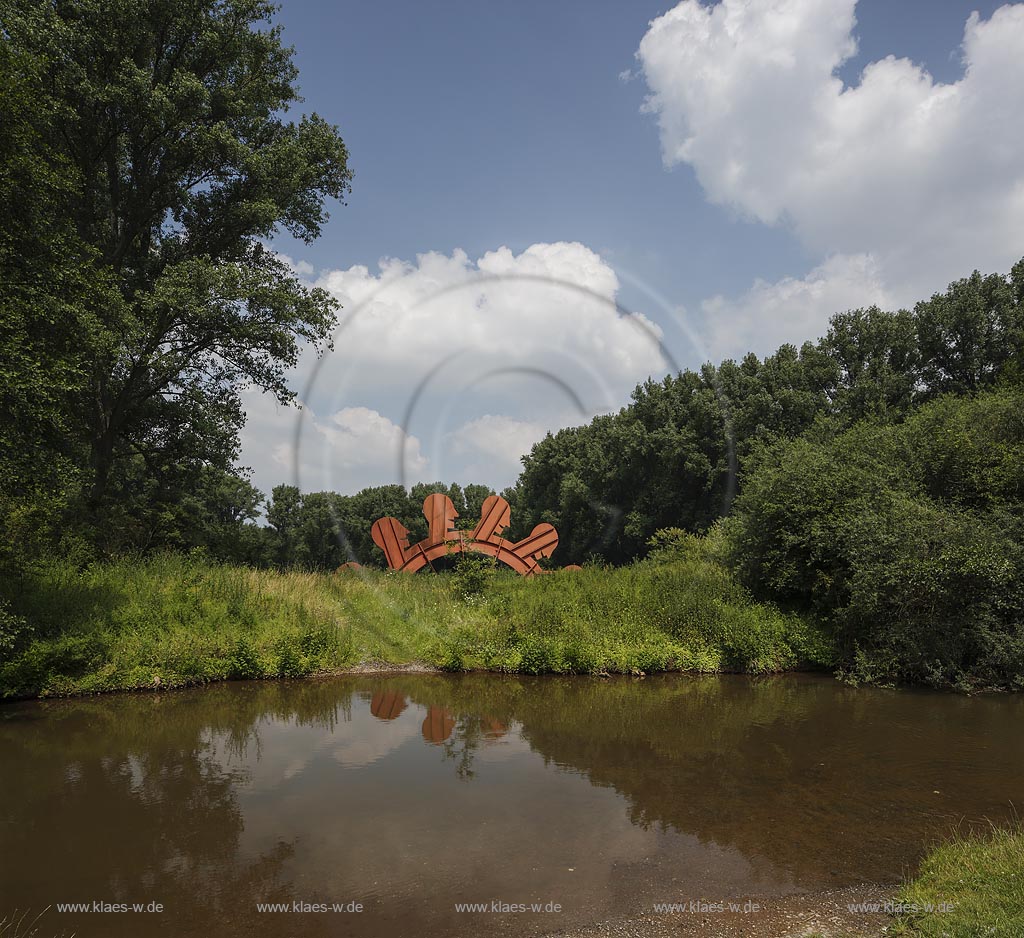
(409, 794)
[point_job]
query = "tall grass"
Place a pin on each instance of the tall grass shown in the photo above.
(683, 615)
(172, 620)
(974, 885)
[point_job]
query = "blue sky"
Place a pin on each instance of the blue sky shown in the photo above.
(477, 127)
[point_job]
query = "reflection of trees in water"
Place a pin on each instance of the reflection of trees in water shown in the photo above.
(804, 774)
(136, 797)
(469, 732)
(150, 814)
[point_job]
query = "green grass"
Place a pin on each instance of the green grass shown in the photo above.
(182, 620)
(981, 881)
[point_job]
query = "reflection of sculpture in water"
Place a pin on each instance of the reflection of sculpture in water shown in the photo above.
(493, 729)
(437, 725)
(524, 556)
(387, 704)
(458, 736)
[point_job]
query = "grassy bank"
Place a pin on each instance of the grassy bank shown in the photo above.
(177, 620)
(980, 881)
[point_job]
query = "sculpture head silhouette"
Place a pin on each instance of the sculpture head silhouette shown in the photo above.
(495, 515)
(440, 514)
(392, 537)
(543, 540)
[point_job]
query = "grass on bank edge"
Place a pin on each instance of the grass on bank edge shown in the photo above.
(177, 620)
(980, 878)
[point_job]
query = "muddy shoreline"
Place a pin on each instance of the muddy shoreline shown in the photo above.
(825, 914)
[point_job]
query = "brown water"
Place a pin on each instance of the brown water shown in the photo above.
(411, 794)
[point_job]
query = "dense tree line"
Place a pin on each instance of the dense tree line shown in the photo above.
(873, 480)
(322, 530)
(679, 454)
(682, 451)
(906, 538)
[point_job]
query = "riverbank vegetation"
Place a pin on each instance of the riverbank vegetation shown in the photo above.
(973, 885)
(867, 486)
(895, 540)
(171, 620)
(907, 539)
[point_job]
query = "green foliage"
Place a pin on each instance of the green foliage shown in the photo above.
(124, 624)
(669, 459)
(322, 530)
(471, 573)
(669, 615)
(676, 456)
(244, 662)
(908, 539)
(156, 159)
(878, 359)
(148, 154)
(182, 620)
(672, 544)
(290, 660)
(14, 632)
(47, 288)
(972, 333)
(675, 544)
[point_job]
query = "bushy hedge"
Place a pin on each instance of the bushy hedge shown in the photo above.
(906, 539)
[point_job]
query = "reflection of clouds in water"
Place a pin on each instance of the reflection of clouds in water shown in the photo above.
(286, 749)
(396, 831)
(283, 751)
(519, 825)
(509, 745)
(524, 833)
(372, 733)
(357, 744)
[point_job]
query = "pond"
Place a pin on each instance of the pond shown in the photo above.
(406, 795)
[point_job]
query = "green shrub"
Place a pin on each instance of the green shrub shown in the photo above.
(906, 540)
(15, 632)
(319, 640)
(244, 662)
(290, 660)
(934, 596)
(471, 574)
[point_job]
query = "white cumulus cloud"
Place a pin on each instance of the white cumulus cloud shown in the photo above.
(791, 309)
(922, 178)
(451, 368)
(348, 450)
(503, 308)
(495, 442)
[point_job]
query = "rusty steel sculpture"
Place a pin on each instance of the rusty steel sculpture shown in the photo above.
(524, 556)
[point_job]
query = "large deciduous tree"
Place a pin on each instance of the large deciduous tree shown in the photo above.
(972, 333)
(167, 123)
(45, 280)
